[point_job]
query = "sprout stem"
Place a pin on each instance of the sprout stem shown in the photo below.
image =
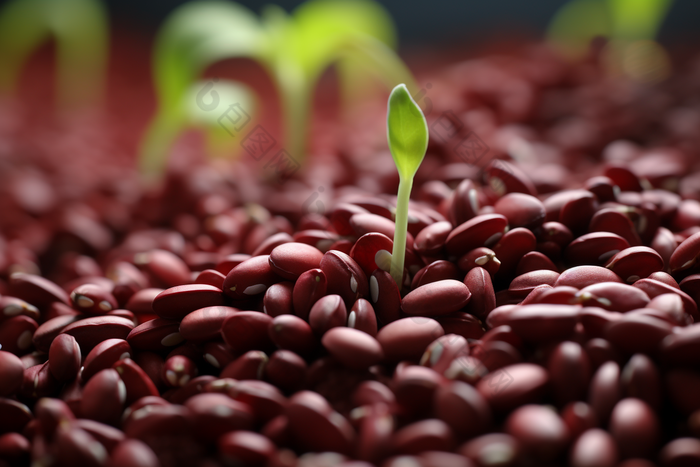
(399, 251)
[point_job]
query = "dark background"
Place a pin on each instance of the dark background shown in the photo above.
(435, 22)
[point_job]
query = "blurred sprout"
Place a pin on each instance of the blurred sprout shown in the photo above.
(630, 27)
(80, 31)
(294, 49)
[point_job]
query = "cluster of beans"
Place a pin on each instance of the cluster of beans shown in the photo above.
(546, 317)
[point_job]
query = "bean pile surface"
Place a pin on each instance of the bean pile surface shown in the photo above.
(548, 314)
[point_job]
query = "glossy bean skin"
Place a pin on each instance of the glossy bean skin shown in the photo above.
(345, 277)
(355, 349)
(594, 248)
(93, 300)
(362, 317)
(103, 356)
(311, 286)
(11, 373)
(292, 333)
(65, 357)
(205, 323)
(569, 371)
(278, 299)
(463, 408)
(483, 298)
(425, 435)
(583, 276)
(155, 335)
(407, 338)
(605, 390)
(480, 449)
(612, 296)
(178, 302)
(91, 331)
(521, 210)
(319, 427)
(435, 271)
(385, 296)
(484, 230)
(634, 263)
(290, 260)
(370, 251)
(247, 330)
(513, 386)
(104, 397)
(540, 431)
(635, 428)
(432, 238)
(437, 298)
(594, 447)
(327, 313)
(480, 257)
(684, 258)
(252, 277)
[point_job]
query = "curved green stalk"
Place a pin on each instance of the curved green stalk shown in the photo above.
(80, 29)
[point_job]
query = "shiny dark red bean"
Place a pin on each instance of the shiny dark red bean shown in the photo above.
(680, 452)
(93, 300)
(104, 397)
(534, 261)
(311, 286)
(205, 323)
(252, 277)
(15, 449)
(272, 242)
(178, 370)
(250, 365)
(634, 263)
(354, 349)
(65, 358)
(640, 379)
(290, 260)
(320, 239)
(504, 177)
(372, 251)
(292, 333)
(595, 447)
(612, 296)
(362, 317)
(247, 330)
(91, 331)
(407, 338)
(583, 276)
(569, 372)
(141, 302)
(605, 390)
(685, 257)
(463, 408)
(633, 334)
(432, 238)
(133, 453)
(483, 449)
(483, 298)
(327, 313)
(315, 426)
(437, 298)
(464, 202)
(36, 290)
(344, 277)
(341, 214)
(655, 288)
(11, 373)
(435, 271)
(635, 428)
(522, 285)
(543, 322)
(164, 268)
(480, 257)
(440, 354)
(578, 417)
(414, 387)
(594, 248)
(511, 248)
(513, 386)
(541, 432)
(424, 435)
(138, 384)
(614, 221)
(278, 299)
(484, 230)
(178, 302)
(211, 277)
(155, 335)
(213, 414)
(521, 210)
(12, 306)
(385, 296)
(245, 448)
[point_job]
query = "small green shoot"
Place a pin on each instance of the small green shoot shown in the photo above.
(295, 49)
(80, 29)
(407, 134)
(630, 26)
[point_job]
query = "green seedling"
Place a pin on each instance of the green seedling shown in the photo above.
(80, 31)
(295, 49)
(629, 25)
(407, 134)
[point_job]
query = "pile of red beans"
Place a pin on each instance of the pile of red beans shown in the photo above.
(546, 317)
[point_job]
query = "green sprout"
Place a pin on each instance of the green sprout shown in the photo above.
(80, 30)
(295, 49)
(407, 134)
(630, 25)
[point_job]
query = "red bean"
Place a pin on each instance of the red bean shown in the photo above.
(480, 257)
(311, 286)
(483, 298)
(104, 355)
(425, 435)
(435, 271)
(213, 414)
(437, 298)
(290, 260)
(250, 365)
(374, 436)
(320, 239)
(65, 357)
(164, 268)
(16, 334)
(578, 417)
(11, 373)
(211, 277)
(612, 296)
(91, 331)
(522, 285)
(245, 448)
(634, 263)
(414, 387)
(252, 277)
(685, 256)
(521, 210)
(632, 334)
(363, 224)
(431, 239)
(613, 221)
(264, 399)
(231, 261)
(605, 390)
(327, 313)
(75, 446)
(362, 317)
(594, 248)
(640, 379)
(278, 299)
(543, 322)
(156, 335)
(247, 330)
(178, 302)
(655, 288)
(583, 276)
(341, 214)
(14, 416)
(484, 230)
(462, 324)
(464, 202)
(372, 393)
(178, 370)
(540, 431)
(272, 242)
(205, 323)
(12, 306)
(104, 397)
(440, 354)
(133, 453)
(578, 210)
(511, 248)
(344, 277)
(569, 371)
(36, 290)
(354, 349)
(315, 426)
(93, 299)
(463, 408)
(138, 384)
(290, 332)
(513, 386)
(492, 449)
(504, 177)
(15, 449)
(680, 452)
(407, 338)
(635, 428)
(534, 261)
(594, 448)
(141, 302)
(372, 251)
(106, 435)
